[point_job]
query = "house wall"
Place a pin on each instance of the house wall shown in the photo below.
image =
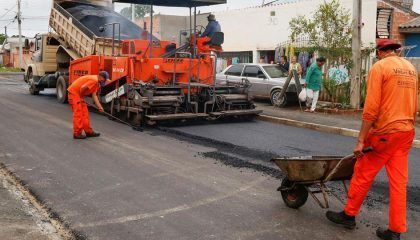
(398, 17)
(168, 27)
(145, 23)
(256, 29)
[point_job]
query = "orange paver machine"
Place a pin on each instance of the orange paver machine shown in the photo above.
(154, 80)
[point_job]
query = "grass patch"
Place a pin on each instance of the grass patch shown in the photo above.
(6, 70)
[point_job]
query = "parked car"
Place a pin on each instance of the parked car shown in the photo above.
(267, 81)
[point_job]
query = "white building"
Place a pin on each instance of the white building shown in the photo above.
(254, 32)
(259, 30)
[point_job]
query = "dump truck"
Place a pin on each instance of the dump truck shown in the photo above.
(152, 80)
(76, 34)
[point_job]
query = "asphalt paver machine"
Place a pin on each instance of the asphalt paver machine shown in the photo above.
(155, 80)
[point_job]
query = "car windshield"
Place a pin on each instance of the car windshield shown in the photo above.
(275, 71)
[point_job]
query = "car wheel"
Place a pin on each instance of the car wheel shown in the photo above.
(278, 101)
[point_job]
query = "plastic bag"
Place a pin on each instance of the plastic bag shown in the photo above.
(303, 95)
(310, 94)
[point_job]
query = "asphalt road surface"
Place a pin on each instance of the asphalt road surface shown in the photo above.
(193, 182)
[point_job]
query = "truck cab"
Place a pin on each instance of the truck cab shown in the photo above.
(42, 72)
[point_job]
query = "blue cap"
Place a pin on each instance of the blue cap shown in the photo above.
(104, 74)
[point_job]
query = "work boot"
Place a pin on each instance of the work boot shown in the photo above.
(342, 218)
(80, 136)
(387, 234)
(93, 134)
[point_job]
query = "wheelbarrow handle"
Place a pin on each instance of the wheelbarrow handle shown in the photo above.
(328, 178)
(365, 150)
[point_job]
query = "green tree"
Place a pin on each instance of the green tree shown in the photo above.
(2, 38)
(139, 11)
(328, 30)
(329, 33)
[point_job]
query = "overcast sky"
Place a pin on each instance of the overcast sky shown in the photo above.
(36, 13)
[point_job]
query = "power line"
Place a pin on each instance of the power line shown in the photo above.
(8, 23)
(7, 12)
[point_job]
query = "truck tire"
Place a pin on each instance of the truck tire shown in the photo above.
(33, 89)
(61, 89)
(275, 101)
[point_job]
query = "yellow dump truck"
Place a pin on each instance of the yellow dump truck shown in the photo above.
(78, 29)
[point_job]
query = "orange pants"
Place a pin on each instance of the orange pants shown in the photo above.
(80, 115)
(391, 151)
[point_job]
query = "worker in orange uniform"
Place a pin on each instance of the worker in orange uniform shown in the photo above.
(388, 126)
(85, 86)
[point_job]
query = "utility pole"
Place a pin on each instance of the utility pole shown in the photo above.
(356, 52)
(19, 18)
(5, 31)
(133, 13)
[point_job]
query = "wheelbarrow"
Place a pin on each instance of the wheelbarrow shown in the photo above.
(307, 176)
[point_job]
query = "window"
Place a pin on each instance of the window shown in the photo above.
(38, 43)
(52, 42)
(254, 72)
(273, 13)
(235, 70)
(383, 23)
(275, 71)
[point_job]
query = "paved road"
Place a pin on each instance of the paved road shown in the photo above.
(281, 140)
(165, 184)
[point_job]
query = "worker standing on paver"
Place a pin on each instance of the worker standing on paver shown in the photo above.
(388, 126)
(313, 83)
(85, 86)
(212, 27)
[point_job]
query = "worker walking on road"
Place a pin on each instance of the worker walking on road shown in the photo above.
(85, 86)
(388, 126)
(212, 27)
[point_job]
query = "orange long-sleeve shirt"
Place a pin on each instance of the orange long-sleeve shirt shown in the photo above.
(392, 91)
(90, 81)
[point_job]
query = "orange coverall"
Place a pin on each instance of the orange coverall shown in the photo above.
(391, 105)
(78, 105)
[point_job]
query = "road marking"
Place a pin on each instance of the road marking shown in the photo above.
(176, 209)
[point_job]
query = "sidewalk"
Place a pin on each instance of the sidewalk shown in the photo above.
(19, 220)
(352, 121)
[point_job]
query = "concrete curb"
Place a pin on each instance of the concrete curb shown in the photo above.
(12, 73)
(318, 127)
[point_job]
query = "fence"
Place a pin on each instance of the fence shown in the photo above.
(342, 91)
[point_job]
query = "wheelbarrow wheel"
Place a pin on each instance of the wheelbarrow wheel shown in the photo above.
(294, 195)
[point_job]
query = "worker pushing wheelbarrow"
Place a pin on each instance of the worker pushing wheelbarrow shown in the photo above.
(389, 114)
(308, 175)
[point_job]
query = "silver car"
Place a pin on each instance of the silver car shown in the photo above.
(267, 81)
